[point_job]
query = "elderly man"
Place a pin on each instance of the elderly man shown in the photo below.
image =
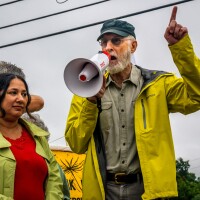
(128, 142)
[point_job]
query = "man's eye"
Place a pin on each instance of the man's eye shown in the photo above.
(103, 42)
(116, 41)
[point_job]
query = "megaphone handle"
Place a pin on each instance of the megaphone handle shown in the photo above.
(99, 104)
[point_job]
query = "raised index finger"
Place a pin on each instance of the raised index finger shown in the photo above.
(173, 15)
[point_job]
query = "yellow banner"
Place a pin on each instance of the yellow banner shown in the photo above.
(72, 165)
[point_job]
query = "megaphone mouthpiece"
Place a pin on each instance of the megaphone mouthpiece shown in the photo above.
(82, 77)
(105, 52)
(88, 72)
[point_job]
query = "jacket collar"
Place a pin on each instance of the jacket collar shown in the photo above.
(3, 142)
(148, 75)
(33, 129)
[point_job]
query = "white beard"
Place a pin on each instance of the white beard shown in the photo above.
(122, 63)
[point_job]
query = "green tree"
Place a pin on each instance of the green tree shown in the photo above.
(188, 183)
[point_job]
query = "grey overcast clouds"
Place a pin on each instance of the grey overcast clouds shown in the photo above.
(43, 60)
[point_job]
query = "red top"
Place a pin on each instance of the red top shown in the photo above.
(31, 169)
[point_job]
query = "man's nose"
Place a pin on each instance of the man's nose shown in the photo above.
(109, 46)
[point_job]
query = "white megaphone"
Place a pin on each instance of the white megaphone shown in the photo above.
(84, 77)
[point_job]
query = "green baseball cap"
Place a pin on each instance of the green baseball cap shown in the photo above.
(118, 27)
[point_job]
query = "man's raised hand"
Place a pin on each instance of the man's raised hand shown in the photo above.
(174, 32)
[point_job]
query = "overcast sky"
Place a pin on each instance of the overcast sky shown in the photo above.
(44, 60)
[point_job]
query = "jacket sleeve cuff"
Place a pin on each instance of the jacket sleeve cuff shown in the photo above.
(181, 45)
(89, 107)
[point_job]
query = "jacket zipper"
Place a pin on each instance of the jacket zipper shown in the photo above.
(144, 114)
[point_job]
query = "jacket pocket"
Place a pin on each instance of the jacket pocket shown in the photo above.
(7, 174)
(144, 114)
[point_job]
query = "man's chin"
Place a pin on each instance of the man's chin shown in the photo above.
(115, 70)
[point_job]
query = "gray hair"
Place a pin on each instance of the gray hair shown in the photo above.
(6, 67)
(37, 121)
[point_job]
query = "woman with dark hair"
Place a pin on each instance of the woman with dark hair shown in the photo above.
(37, 102)
(28, 169)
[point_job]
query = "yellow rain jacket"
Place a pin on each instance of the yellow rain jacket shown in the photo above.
(53, 185)
(161, 94)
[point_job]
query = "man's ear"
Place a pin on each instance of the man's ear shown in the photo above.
(133, 46)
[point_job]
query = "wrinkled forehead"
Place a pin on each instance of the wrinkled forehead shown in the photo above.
(109, 36)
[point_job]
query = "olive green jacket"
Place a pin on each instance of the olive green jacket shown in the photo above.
(53, 186)
(162, 93)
